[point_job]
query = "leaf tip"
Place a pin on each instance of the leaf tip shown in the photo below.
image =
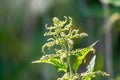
(95, 43)
(35, 62)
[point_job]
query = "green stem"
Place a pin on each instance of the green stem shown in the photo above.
(69, 62)
(69, 65)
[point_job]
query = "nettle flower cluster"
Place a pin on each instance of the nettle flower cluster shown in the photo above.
(64, 58)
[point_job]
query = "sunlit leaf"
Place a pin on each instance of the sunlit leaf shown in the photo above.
(78, 58)
(52, 59)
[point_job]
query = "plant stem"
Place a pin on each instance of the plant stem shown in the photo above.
(69, 62)
(69, 65)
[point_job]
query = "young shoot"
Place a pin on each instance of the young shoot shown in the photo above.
(64, 58)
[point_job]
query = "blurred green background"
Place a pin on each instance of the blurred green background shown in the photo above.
(22, 27)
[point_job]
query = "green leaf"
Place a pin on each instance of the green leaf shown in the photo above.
(52, 59)
(88, 78)
(79, 55)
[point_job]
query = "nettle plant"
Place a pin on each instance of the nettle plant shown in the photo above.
(64, 57)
